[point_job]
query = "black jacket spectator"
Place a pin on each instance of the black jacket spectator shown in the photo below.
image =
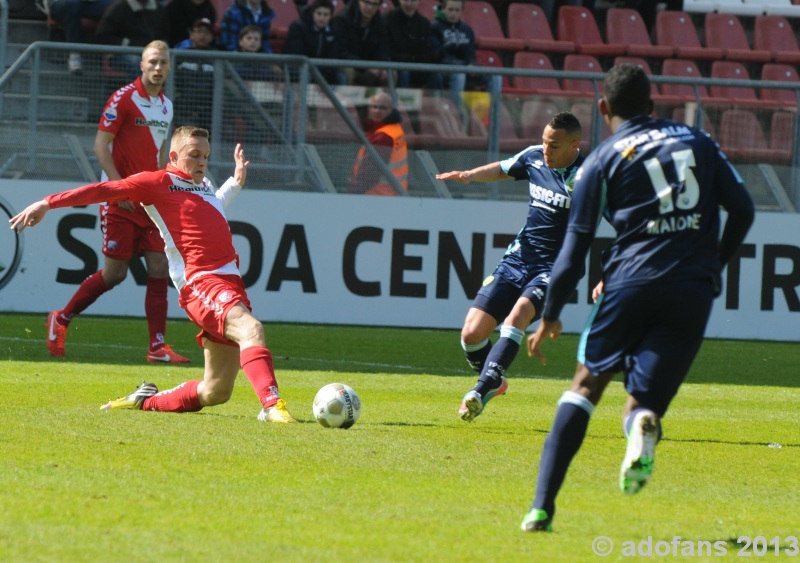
(181, 14)
(358, 43)
(410, 39)
(454, 42)
(133, 22)
(305, 38)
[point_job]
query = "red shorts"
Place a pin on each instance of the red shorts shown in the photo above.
(207, 301)
(128, 233)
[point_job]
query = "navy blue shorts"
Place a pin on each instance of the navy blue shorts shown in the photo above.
(511, 280)
(652, 333)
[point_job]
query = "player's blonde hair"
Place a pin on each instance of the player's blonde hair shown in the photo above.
(182, 135)
(158, 45)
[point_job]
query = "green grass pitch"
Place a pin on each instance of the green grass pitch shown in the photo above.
(409, 482)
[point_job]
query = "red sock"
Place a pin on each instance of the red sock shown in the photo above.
(257, 365)
(182, 398)
(155, 308)
(90, 289)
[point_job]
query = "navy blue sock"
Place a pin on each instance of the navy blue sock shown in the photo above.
(500, 359)
(476, 354)
(561, 445)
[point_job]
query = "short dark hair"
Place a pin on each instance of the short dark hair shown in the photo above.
(252, 28)
(627, 91)
(566, 121)
(320, 4)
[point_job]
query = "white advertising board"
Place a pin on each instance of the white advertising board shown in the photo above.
(341, 259)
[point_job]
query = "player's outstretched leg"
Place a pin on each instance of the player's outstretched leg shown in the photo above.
(476, 354)
(637, 467)
(56, 335)
(135, 400)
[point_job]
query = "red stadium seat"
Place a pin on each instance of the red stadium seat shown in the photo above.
(529, 23)
(534, 116)
(530, 84)
(742, 138)
(781, 135)
(581, 63)
(482, 18)
(484, 57)
(577, 24)
(625, 26)
(285, 14)
(676, 29)
(428, 8)
(779, 73)
(775, 34)
(730, 70)
(684, 69)
(725, 31)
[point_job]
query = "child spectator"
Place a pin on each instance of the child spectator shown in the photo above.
(455, 42)
(311, 35)
(250, 41)
(244, 13)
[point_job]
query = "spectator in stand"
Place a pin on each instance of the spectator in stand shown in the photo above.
(455, 44)
(386, 135)
(194, 78)
(311, 35)
(70, 13)
(411, 41)
(250, 41)
(132, 23)
(243, 13)
(362, 37)
(182, 14)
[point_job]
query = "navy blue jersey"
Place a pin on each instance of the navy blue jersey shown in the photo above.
(660, 184)
(551, 195)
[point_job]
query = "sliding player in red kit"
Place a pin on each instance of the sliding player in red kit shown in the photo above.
(203, 264)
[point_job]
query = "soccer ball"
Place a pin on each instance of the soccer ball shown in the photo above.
(336, 406)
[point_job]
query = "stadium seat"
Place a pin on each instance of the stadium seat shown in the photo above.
(285, 14)
(485, 57)
(428, 8)
(534, 116)
(440, 116)
(529, 23)
(577, 24)
(684, 69)
(725, 31)
(779, 73)
(782, 132)
(581, 63)
(531, 84)
(775, 34)
(742, 138)
(676, 29)
(731, 70)
(625, 26)
(480, 15)
(220, 6)
(584, 112)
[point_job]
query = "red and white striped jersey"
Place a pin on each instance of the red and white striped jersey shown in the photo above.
(191, 217)
(140, 125)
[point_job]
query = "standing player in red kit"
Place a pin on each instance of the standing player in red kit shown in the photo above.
(203, 265)
(131, 138)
